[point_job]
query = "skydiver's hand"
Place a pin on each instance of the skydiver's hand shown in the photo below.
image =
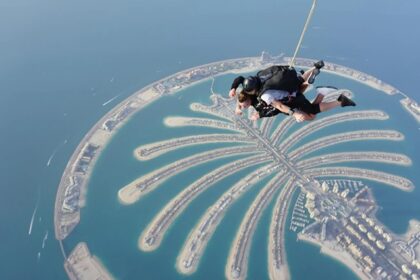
(299, 117)
(255, 116)
(238, 111)
(232, 92)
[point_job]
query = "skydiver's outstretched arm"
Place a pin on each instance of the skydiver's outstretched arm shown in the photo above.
(235, 84)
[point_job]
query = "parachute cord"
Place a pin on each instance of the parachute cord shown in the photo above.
(292, 62)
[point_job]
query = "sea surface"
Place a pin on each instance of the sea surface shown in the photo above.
(61, 61)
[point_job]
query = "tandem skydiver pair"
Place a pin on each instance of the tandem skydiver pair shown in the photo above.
(280, 89)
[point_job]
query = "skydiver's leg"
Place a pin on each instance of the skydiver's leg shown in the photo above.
(322, 91)
(342, 101)
(311, 109)
(325, 106)
(303, 87)
(307, 74)
(300, 102)
(306, 110)
(318, 99)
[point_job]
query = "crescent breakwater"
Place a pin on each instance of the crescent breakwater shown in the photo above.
(71, 193)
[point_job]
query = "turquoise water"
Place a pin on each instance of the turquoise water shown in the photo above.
(60, 61)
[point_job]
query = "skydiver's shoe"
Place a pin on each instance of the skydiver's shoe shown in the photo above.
(314, 73)
(345, 101)
(319, 64)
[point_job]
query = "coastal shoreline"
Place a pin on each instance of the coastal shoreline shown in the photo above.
(342, 257)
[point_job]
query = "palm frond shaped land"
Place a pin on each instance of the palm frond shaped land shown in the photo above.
(275, 154)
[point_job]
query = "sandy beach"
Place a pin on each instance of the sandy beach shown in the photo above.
(341, 256)
(81, 265)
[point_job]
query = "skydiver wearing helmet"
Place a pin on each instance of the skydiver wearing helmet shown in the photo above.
(279, 89)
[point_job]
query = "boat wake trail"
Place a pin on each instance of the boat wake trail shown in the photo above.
(45, 239)
(110, 100)
(55, 151)
(33, 218)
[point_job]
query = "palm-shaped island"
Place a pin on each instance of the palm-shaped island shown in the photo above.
(334, 209)
(271, 149)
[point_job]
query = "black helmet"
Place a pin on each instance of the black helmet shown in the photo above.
(251, 83)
